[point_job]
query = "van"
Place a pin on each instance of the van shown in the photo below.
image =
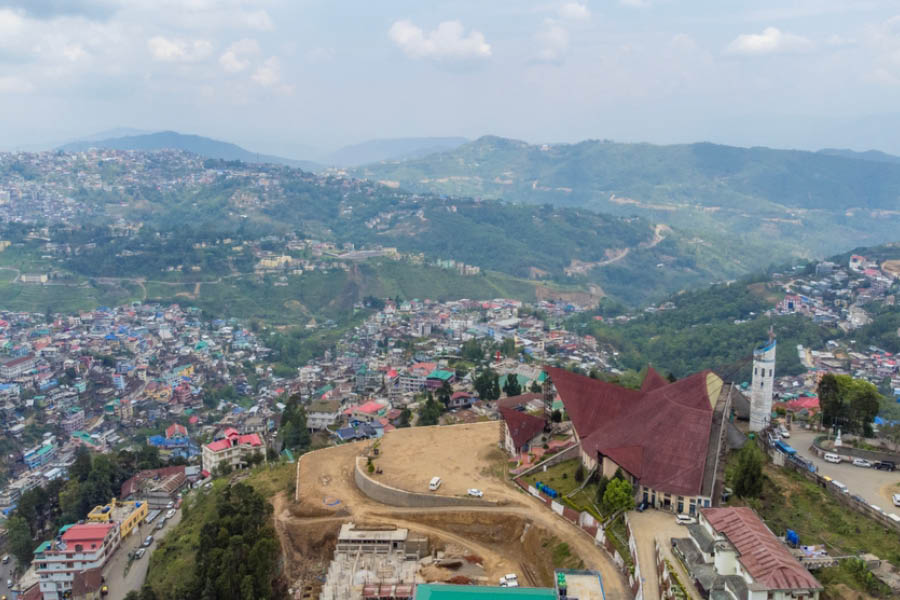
(840, 486)
(832, 458)
(5, 559)
(434, 484)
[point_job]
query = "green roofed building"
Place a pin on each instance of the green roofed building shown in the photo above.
(443, 591)
(524, 382)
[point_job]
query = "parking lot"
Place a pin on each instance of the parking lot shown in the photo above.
(873, 485)
(118, 581)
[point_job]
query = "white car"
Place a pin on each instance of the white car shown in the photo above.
(475, 493)
(784, 433)
(685, 520)
(896, 499)
(170, 513)
(861, 462)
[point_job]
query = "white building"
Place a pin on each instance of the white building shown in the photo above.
(731, 553)
(81, 548)
(322, 414)
(234, 449)
(761, 385)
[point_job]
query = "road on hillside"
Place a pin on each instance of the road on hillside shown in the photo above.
(872, 484)
(119, 583)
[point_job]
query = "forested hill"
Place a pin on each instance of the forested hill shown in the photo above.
(203, 202)
(801, 202)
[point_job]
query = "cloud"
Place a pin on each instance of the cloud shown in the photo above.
(51, 9)
(259, 20)
(884, 41)
(446, 42)
(174, 50)
(553, 43)
(10, 23)
(575, 11)
(15, 85)
(683, 41)
(236, 58)
(268, 75)
(635, 3)
(771, 41)
(74, 52)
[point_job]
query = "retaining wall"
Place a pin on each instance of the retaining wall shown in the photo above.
(392, 496)
(849, 451)
(562, 456)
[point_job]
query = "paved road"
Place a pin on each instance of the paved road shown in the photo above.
(659, 525)
(5, 574)
(872, 484)
(121, 583)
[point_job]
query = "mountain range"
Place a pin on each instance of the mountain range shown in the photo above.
(798, 203)
(203, 146)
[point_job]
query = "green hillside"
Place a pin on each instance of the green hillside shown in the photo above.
(800, 202)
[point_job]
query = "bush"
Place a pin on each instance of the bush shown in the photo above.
(579, 473)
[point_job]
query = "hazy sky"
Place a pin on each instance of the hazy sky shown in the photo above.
(299, 76)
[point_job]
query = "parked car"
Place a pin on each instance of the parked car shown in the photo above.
(896, 499)
(885, 465)
(9, 583)
(171, 504)
(832, 458)
(148, 540)
(784, 432)
(435, 483)
(170, 513)
(476, 493)
(140, 553)
(685, 520)
(861, 462)
(5, 559)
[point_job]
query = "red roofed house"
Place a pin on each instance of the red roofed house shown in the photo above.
(87, 545)
(233, 449)
(176, 430)
(731, 549)
(665, 437)
(520, 430)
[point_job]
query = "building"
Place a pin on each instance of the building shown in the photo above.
(761, 387)
(18, 366)
(233, 449)
(40, 455)
(127, 515)
(322, 414)
(157, 486)
(732, 554)
(73, 419)
(33, 278)
(666, 437)
(520, 430)
(80, 548)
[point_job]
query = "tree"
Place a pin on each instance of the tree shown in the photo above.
(472, 351)
(512, 386)
(487, 386)
(602, 483)
(508, 347)
(81, 468)
(830, 400)
(535, 387)
(444, 392)
(405, 416)
(863, 405)
(618, 496)
(748, 476)
(21, 544)
(430, 413)
(556, 416)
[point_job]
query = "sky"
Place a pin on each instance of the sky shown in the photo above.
(303, 77)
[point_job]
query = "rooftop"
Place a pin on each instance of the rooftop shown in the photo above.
(761, 553)
(443, 591)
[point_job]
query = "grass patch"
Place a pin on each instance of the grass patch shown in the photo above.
(853, 574)
(618, 535)
(561, 554)
(561, 477)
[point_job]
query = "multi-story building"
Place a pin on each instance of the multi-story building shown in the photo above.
(322, 414)
(81, 548)
(73, 420)
(126, 515)
(18, 366)
(234, 449)
(40, 455)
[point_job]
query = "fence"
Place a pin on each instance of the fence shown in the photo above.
(808, 470)
(589, 524)
(849, 452)
(669, 584)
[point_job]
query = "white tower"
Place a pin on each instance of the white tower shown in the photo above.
(762, 383)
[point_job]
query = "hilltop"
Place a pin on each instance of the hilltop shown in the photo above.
(799, 203)
(391, 149)
(172, 140)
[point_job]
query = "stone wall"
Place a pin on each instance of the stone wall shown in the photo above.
(396, 497)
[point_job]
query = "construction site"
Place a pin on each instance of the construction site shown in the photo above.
(339, 542)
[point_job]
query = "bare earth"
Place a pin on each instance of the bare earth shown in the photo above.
(509, 539)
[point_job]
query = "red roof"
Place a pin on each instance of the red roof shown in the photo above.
(522, 426)
(520, 400)
(85, 533)
(234, 439)
(175, 429)
(762, 555)
(659, 434)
